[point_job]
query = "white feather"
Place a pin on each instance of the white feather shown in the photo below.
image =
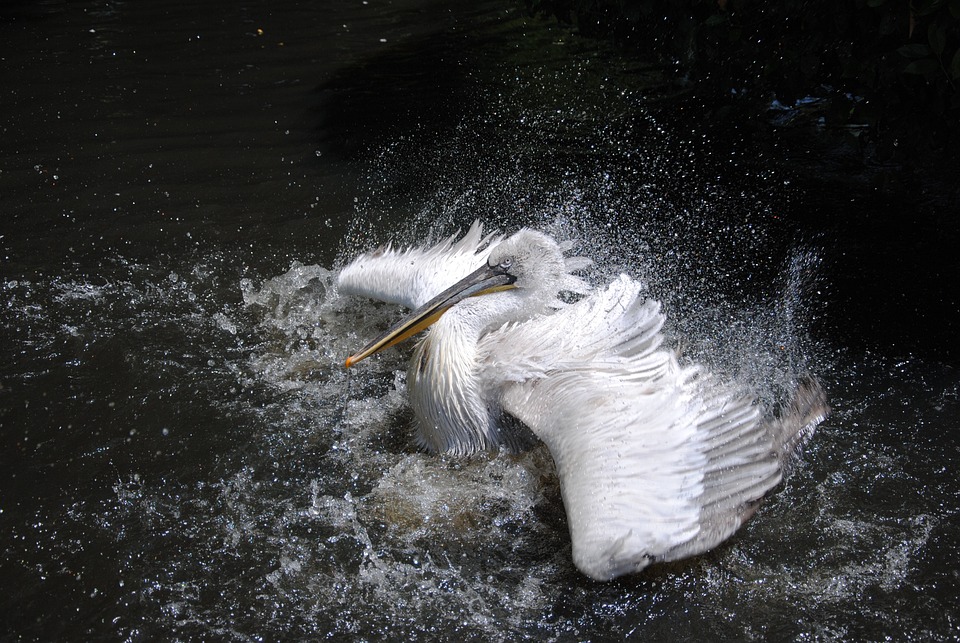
(410, 277)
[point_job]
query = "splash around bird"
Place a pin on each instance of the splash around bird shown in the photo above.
(657, 461)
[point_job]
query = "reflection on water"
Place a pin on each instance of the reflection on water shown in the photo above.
(185, 456)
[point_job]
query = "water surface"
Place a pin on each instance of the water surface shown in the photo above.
(183, 454)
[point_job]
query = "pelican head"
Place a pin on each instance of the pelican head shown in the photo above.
(533, 259)
(529, 265)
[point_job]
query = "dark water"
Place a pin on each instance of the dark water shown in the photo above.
(183, 456)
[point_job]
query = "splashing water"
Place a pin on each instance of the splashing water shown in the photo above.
(188, 458)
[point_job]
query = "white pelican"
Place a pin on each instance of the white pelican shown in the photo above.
(656, 461)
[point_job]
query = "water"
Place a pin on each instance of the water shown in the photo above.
(184, 455)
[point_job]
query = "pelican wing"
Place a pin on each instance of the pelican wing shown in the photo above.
(412, 276)
(656, 462)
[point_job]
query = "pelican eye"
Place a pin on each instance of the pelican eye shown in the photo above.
(506, 264)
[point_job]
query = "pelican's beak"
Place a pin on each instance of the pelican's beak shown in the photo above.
(484, 281)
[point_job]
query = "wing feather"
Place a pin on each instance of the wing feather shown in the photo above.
(412, 276)
(656, 461)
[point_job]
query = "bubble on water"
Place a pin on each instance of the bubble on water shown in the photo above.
(225, 323)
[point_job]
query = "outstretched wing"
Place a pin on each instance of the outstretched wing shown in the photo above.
(656, 462)
(411, 277)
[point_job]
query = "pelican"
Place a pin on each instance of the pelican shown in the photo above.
(657, 461)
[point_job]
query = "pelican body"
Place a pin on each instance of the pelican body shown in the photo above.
(656, 461)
